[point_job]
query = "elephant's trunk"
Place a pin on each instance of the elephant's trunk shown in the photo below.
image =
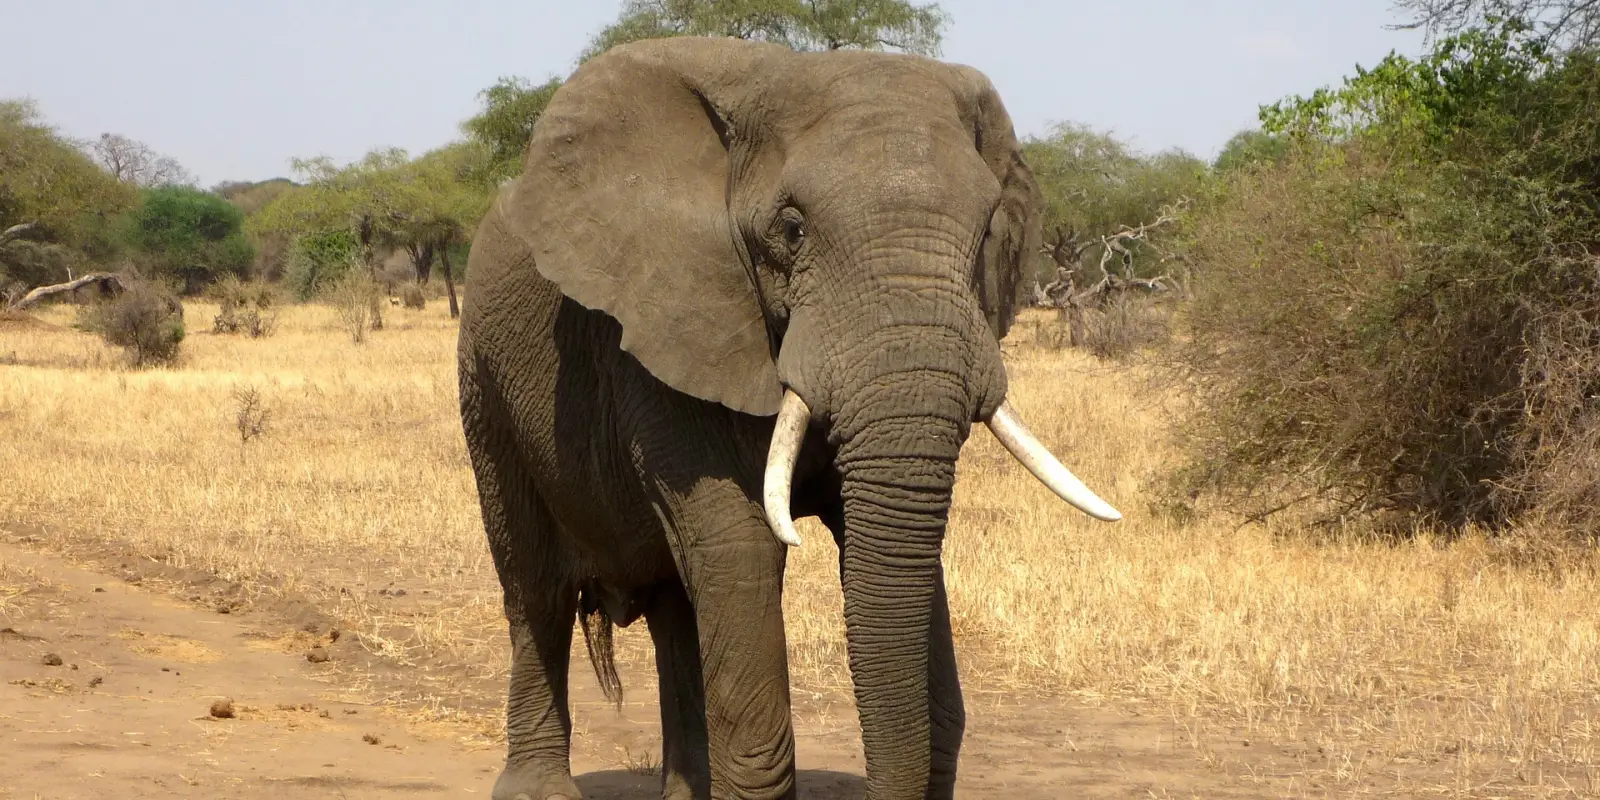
(896, 504)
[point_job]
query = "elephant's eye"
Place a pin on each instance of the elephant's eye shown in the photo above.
(794, 229)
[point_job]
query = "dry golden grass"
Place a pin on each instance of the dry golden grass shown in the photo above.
(1376, 653)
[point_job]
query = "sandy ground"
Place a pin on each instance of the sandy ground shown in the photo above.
(142, 658)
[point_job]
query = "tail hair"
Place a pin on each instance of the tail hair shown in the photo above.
(597, 629)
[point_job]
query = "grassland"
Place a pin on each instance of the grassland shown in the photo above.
(1421, 651)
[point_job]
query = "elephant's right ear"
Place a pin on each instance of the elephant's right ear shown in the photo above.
(623, 202)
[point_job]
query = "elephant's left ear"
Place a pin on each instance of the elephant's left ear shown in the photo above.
(1006, 256)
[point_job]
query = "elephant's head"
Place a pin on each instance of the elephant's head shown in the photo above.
(835, 238)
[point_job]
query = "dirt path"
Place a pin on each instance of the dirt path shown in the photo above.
(126, 713)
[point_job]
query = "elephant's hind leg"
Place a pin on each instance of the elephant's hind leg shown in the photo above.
(541, 600)
(685, 770)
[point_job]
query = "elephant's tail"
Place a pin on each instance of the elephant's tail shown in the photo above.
(597, 638)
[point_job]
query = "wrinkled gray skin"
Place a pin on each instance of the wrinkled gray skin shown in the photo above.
(700, 224)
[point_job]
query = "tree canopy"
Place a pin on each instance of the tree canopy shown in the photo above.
(46, 180)
(1565, 24)
(135, 163)
(799, 24)
(504, 126)
(383, 201)
(190, 235)
(1249, 147)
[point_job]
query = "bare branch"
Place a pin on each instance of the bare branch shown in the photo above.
(1063, 293)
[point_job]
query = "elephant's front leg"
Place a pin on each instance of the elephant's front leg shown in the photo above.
(735, 579)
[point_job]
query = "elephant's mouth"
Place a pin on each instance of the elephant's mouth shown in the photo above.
(1005, 424)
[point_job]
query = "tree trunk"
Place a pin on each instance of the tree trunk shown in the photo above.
(449, 280)
(422, 260)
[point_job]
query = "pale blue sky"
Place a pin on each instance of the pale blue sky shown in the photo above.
(234, 90)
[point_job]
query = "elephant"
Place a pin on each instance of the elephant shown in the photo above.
(735, 285)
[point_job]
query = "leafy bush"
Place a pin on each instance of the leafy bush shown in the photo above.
(316, 262)
(1402, 317)
(247, 308)
(145, 320)
(190, 235)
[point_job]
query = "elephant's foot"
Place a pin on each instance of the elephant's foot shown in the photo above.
(535, 782)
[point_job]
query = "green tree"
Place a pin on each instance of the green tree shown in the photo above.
(383, 202)
(53, 198)
(192, 235)
(1253, 146)
(444, 207)
(364, 197)
(1093, 184)
(799, 24)
(504, 126)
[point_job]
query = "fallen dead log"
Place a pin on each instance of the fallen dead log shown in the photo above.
(109, 283)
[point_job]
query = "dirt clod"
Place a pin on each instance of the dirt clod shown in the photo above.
(222, 709)
(96, 681)
(333, 635)
(51, 660)
(371, 738)
(317, 655)
(224, 608)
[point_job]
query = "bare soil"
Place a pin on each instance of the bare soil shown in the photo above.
(146, 651)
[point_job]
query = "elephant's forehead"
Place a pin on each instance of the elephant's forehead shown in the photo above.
(840, 81)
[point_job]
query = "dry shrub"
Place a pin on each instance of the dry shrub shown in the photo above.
(146, 321)
(359, 301)
(250, 413)
(411, 295)
(1391, 342)
(247, 308)
(1124, 326)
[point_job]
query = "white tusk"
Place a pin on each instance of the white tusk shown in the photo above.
(786, 437)
(1022, 444)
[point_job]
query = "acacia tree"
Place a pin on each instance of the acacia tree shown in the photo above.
(445, 202)
(513, 104)
(388, 201)
(361, 197)
(799, 24)
(504, 126)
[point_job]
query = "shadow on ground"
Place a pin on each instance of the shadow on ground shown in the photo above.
(815, 784)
